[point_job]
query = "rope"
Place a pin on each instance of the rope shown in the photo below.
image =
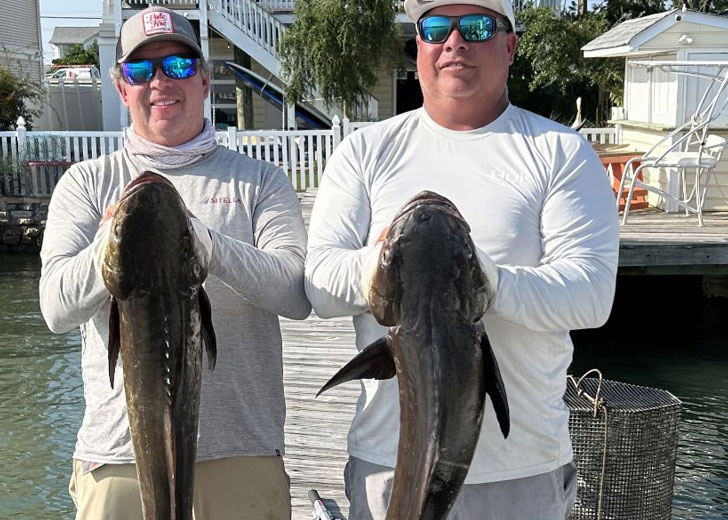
(599, 403)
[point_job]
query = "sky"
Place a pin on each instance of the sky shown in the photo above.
(61, 13)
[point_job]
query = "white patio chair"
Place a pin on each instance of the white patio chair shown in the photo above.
(692, 152)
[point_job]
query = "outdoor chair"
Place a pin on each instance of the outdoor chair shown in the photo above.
(694, 152)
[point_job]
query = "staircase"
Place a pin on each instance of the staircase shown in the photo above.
(250, 26)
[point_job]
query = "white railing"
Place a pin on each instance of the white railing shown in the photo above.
(278, 5)
(255, 23)
(32, 162)
(172, 4)
(301, 154)
(602, 135)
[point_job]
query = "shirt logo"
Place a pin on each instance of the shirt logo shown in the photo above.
(226, 200)
(158, 23)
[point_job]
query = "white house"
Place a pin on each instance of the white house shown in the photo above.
(64, 38)
(20, 38)
(661, 91)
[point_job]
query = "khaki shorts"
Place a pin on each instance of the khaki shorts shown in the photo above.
(225, 489)
(549, 496)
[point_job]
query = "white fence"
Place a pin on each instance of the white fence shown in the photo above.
(71, 104)
(32, 162)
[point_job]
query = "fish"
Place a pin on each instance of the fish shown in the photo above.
(159, 321)
(429, 288)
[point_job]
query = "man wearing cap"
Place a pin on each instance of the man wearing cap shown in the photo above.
(249, 221)
(542, 216)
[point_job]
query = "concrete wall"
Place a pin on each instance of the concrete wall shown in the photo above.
(21, 224)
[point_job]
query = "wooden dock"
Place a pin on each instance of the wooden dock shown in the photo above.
(316, 427)
(653, 242)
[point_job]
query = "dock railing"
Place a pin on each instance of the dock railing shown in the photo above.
(32, 162)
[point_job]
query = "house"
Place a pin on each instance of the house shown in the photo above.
(668, 57)
(66, 37)
(20, 38)
(255, 28)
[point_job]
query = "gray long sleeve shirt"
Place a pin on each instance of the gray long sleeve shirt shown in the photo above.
(255, 275)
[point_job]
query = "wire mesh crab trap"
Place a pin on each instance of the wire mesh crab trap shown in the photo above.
(625, 445)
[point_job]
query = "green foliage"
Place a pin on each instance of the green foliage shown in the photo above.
(16, 96)
(705, 6)
(337, 47)
(616, 11)
(550, 72)
(80, 55)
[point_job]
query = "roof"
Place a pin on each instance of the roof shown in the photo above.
(71, 35)
(622, 33)
(626, 38)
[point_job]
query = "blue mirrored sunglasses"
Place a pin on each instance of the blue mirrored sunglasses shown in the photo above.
(175, 66)
(474, 28)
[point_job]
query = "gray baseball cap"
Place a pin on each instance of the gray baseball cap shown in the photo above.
(155, 24)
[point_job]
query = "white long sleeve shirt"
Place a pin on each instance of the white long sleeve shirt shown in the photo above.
(539, 203)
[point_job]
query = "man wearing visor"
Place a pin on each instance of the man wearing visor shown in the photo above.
(542, 216)
(248, 219)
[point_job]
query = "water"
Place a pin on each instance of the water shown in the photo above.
(42, 399)
(679, 343)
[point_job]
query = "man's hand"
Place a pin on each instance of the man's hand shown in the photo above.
(203, 238)
(371, 263)
(491, 273)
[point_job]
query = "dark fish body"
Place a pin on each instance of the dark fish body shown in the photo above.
(160, 318)
(430, 289)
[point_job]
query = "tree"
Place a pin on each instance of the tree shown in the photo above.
(705, 6)
(336, 47)
(16, 96)
(550, 72)
(80, 55)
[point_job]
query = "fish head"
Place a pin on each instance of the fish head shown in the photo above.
(151, 241)
(428, 250)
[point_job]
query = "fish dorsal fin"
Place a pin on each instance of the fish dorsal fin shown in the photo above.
(376, 361)
(114, 339)
(208, 332)
(494, 386)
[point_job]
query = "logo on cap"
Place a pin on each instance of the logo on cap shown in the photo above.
(157, 23)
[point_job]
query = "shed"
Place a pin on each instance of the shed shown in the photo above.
(658, 99)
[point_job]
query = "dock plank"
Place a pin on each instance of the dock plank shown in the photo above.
(316, 428)
(655, 242)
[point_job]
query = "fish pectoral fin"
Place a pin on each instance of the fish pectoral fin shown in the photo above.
(494, 386)
(208, 332)
(114, 339)
(376, 361)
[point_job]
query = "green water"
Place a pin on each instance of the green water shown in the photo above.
(42, 399)
(678, 342)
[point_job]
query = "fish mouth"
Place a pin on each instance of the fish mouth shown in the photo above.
(141, 181)
(434, 200)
